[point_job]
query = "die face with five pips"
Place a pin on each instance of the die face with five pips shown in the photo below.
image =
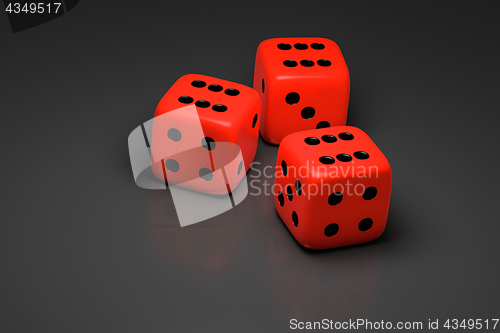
(332, 187)
(303, 84)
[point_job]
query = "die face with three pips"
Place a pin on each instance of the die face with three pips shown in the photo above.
(303, 84)
(332, 187)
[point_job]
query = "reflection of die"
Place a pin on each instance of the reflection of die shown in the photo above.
(303, 83)
(321, 285)
(206, 250)
(332, 187)
(226, 112)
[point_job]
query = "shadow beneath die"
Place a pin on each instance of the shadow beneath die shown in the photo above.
(396, 230)
(356, 109)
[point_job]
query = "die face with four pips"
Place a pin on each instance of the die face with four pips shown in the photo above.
(332, 187)
(195, 119)
(303, 84)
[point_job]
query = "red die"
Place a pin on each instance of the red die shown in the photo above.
(332, 187)
(303, 84)
(221, 113)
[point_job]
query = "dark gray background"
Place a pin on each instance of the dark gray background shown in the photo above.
(83, 249)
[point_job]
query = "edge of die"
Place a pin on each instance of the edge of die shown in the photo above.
(289, 137)
(324, 39)
(186, 77)
(208, 77)
(389, 168)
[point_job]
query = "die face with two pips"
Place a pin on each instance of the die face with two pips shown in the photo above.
(332, 187)
(188, 143)
(303, 84)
